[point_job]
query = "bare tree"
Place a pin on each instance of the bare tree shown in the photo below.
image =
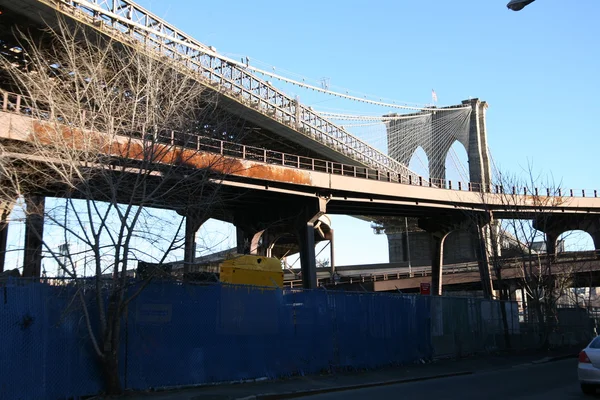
(117, 134)
(518, 251)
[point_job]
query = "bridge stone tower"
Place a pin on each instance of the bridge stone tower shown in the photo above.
(435, 132)
(477, 148)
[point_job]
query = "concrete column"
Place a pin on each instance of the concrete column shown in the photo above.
(193, 222)
(512, 292)
(437, 261)
(483, 263)
(307, 255)
(34, 233)
(329, 237)
(596, 239)
(551, 239)
(249, 241)
(3, 240)
(255, 247)
(306, 236)
(240, 240)
(4, 234)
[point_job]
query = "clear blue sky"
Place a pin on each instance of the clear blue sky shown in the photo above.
(537, 69)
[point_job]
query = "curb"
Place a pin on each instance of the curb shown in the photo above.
(555, 358)
(564, 357)
(312, 392)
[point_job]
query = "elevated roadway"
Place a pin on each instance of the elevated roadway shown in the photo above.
(582, 267)
(346, 189)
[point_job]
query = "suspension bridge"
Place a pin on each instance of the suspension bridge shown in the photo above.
(365, 156)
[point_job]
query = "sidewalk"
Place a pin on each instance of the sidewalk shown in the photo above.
(307, 385)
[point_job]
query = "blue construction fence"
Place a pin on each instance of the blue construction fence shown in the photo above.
(176, 334)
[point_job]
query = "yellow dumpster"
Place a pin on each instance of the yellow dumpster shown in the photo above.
(252, 270)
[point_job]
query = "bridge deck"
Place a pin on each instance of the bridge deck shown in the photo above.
(241, 92)
(348, 189)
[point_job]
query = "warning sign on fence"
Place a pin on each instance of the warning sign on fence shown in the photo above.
(425, 288)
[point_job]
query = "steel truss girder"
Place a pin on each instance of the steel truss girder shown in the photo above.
(132, 24)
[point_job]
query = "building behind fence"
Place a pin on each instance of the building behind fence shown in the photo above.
(181, 334)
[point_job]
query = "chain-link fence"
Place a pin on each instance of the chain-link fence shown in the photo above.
(176, 334)
(461, 326)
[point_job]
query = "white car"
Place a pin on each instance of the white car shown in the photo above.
(588, 368)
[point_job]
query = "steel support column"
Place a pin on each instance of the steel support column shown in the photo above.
(331, 253)
(255, 244)
(551, 239)
(596, 239)
(193, 222)
(306, 236)
(6, 210)
(240, 240)
(3, 239)
(34, 233)
(437, 262)
(483, 262)
(249, 241)
(307, 255)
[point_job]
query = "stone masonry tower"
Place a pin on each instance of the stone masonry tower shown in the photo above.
(428, 130)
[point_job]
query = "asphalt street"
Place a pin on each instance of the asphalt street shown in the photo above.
(550, 381)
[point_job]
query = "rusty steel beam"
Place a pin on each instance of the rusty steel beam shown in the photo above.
(347, 194)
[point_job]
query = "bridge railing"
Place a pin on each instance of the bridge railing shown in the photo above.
(15, 103)
(128, 22)
(415, 272)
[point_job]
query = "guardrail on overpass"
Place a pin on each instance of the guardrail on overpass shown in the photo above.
(18, 104)
(363, 274)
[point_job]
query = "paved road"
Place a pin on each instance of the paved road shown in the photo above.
(551, 381)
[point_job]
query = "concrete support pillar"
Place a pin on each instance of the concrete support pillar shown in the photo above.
(596, 239)
(3, 240)
(34, 233)
(306, 236)
(329, 237)
(4, 234)
(4, 214)
(439, 228)
(512, 292)
(240, 240)
(251, 241)
(437, 261)
(551, 239)
(483, 262)
(269, 248)
(307, 255)
(193, 222)
(255, 244)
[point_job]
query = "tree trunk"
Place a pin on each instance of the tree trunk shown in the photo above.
(110, 370)
(110, 361)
